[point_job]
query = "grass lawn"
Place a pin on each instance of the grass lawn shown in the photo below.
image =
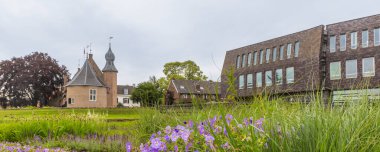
(262, 125)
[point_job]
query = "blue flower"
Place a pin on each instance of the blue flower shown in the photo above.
(128, 147)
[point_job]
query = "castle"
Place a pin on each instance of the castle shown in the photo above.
(94, 88)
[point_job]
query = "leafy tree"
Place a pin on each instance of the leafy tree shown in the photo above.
(187, 70)
(34, 77)
(147, 93)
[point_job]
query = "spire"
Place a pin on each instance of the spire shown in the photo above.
(110, 58)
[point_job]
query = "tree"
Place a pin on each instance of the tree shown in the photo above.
(187, 70)
(147, 93)
(34, 77)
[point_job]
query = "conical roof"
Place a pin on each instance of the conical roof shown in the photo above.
(86, 76)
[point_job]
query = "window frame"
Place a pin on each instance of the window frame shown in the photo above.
(267, 55)
(354, 40)
(243, 60)
(238, 62)
(280, 80)
(376, 43)
(351, 75)
(365, 43)
(373, 67)
(261, 56)
(259, 76)
(343, 47)
(282, 48)
(241, 82)
(288, 70)
(289, 51)
(274, 54)
(332, 47)
(93, 95)
(70, 101)
(270, 74)
(255, 58)
(249, 59)
(250, 79)
(296, 48)
(340, 70)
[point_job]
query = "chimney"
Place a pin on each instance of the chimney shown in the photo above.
(90, 56)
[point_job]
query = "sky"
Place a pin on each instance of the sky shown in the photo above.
(149, 33)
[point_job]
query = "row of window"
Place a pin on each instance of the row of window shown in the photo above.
(354, 40)
(186, 96)
(368, 69)
(258, 56)
(268, 77)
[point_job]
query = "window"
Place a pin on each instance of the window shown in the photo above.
(125, 91)
(274, 54)
(365, 39)
(278, 76)
(376, 36)
(268, 78)
(243, 60)
(335, 71)
(126, 100)
(254, 58)
(259, 78)
(238, 62)
(289, 50)
(92, 94)
(241, 82)
(368, 67)
(249, 80)
(70, 101)
(249, 59)
(282, 52)
(182, 87)
(184, 96)
(342, 42)
(296, 49)
(354, 40)
(332, 43)
(290, 75)
(267, 56)
(261, 56)
(351, 69)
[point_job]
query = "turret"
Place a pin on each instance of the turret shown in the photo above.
(110, 78)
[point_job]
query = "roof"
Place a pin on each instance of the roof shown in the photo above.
(120, 89)
(110, 58)
(196, 87)
(87, 76)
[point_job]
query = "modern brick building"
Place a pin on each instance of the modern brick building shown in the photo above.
(92, 87)
(338, 59)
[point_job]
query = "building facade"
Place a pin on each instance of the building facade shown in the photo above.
(124, 94)
(187, 91)
(331, 59)
(94, 88)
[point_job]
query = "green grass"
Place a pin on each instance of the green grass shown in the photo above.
(289, 126)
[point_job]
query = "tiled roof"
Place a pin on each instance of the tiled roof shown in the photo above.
(196, 87)
(120, 89)
(86, 76)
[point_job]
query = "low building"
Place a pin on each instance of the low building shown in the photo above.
(94, 88)
(124, 94)
(187, 91)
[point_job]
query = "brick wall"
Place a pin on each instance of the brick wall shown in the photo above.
(81, 94)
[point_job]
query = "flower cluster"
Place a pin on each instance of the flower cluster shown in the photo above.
(210, 135)
(16, 147)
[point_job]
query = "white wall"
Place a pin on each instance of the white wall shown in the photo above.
(121, 97)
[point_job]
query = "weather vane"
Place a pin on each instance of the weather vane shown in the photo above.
(110, 38)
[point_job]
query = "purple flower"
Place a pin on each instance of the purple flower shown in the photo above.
(185, 134)
(246, 123)
(157, 144)
(168, 129)
(176, 148)
(229, 118)
(188, 146)
(167, 138)
(259, 124)
(174, 136)
(190, 124)
(144, 148)
(201, 129)
(226, 146)
(209, 138)
(212, 121)
(128, 147)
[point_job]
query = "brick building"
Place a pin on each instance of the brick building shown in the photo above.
(92, 87)
(186, 91)
(338, 59)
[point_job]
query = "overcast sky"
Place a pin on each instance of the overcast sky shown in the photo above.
(149, 33)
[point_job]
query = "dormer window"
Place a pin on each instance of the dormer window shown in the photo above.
(125, 91)
(182, 87)
(201, 88)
